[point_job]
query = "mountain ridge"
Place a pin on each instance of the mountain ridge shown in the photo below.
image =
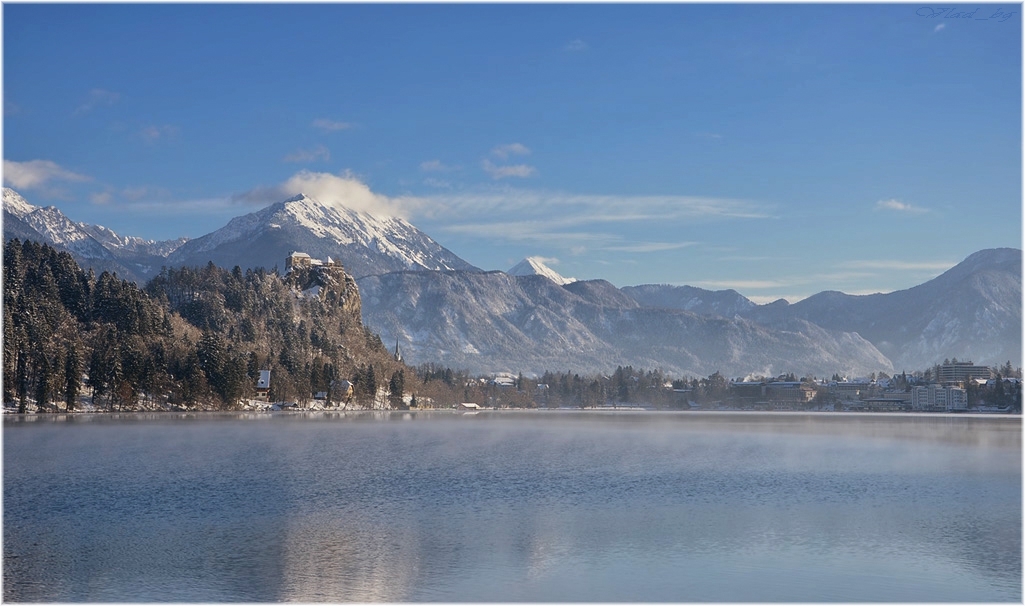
(365, 244)
(51, 226)
(726, 303)
(491, 322)
(971, 311)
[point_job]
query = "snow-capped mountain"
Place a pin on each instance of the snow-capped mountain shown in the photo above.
(133, 244)
(495, 322)
(488, 322)
(970, 312)
(144, 257)
(53, 227)
(727, 303)
(365, 244)
(539, 320)
(92, 246)
(535, 266)
(16, 205)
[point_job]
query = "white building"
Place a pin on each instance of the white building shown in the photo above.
(937, 397)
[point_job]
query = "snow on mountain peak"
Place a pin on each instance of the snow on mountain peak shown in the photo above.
(16, 205)
(112, 241)
(365, 242)
(535, 266)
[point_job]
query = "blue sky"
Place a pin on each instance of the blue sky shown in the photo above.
(778, 150)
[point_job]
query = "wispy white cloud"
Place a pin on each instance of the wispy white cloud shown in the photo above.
(742, 284)
(893, 264)
(343, 190)
(756, 258)
(566, 209)
(529, 231)
(439, 183)
(647, 247)
(545, 260)
(154, 133)
(40, 175)
(327, 125)
(102, 198)
(136, 197)
(437, 166)
(559, 221)
(897, 205)
(97, 97)
(576, 46)
(503, 172)
(572, 221)
(791, 283)
(511, 149)
(939, 27)
(144, 192)
(708, 136)
(318, 153)
(210, 207)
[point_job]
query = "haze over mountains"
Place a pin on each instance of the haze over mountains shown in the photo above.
(440, 308)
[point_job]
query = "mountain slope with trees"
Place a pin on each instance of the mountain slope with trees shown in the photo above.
(192, 337)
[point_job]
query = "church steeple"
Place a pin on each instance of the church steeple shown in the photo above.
(398, 353)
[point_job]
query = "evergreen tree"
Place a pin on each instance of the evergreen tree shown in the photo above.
(72, 377)
(370, 383)
(396, 386)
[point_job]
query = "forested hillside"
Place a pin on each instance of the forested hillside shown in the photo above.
(191, 337)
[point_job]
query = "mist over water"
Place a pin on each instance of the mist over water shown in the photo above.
(545, 506)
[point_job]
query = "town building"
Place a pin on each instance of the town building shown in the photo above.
(263, 384)
(343, 388)
(959, 372)
(774, 395)
(937, 398)
(782, 394)
(849, 391)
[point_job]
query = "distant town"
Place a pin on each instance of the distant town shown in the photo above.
(951, 387)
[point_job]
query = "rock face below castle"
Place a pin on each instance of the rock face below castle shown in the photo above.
(327, 280)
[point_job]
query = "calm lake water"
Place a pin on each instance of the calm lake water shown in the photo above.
(542, 507)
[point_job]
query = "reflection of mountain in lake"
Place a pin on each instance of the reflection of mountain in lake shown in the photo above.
(331, 556)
